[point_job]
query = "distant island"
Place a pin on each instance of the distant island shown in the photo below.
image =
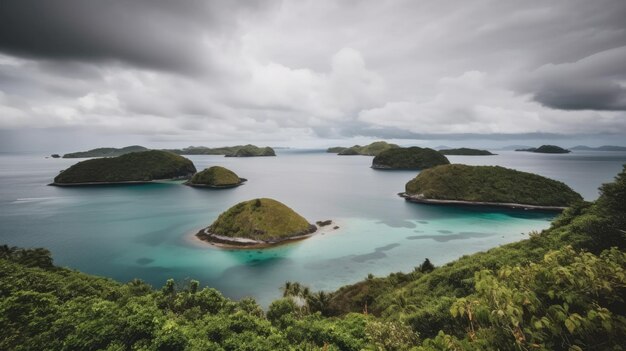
(135, 167)
(546, 149)
(257, 223)
(409, 158)
(464, 151)
(105, 152)
(216, 177)
(229, 151)
(372, 149)
(600, 148)
(488, 186)
(55, 156)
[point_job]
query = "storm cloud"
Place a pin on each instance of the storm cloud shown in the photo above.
(222, 71)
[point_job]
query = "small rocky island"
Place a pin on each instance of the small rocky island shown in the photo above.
(457, 184)
(409, 158)
(136, 167)
(546, 149)
(215, 177)
(464, 151)
(372, 149)
(257, 223)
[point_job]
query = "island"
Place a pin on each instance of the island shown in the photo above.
(457, 184)
(409, 158)
(257, 223)
(215, 177)
(105, 152)
(55, 156)
(372, 149)
(228, 151)
(546, 149)
(464, 151)
(133, 168)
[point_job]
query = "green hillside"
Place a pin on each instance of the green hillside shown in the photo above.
(133, 167)
(490, 184)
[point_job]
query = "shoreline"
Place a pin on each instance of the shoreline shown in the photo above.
(509, 205)
(112, 183)
(244, 243)
(241, 182)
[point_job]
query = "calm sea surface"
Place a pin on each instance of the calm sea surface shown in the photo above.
(146, 231)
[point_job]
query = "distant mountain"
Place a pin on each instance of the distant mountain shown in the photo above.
(515, 147)
(442, 147)
(599, 148)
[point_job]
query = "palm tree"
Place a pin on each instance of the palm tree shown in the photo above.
(320, 302)
(401, 306)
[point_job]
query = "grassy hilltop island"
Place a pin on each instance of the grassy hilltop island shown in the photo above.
(489, 186)
(228, 151)
(257, 223)
(464, 151)
(105, 152)
(136, 167)
(372, 149)
(215, 177)
(409, 158)
(546, 149)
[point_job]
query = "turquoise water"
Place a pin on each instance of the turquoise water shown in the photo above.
(146, 231)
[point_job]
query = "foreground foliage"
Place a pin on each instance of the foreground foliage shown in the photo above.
(490, 184)
(562, 289)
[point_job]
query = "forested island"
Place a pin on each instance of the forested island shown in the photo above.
(372, 149)
(546, 149)
(135, 167)
(257, 223)
(230, 151)
(464, 151)
(559, 289)
(215, 177)
(489, 186)
(105, 152)
(409, 158)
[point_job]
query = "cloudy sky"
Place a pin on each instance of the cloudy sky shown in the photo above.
(311, 73)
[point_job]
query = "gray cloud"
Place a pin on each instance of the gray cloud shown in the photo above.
(287, 70)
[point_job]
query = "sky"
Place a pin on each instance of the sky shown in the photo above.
(81, 74)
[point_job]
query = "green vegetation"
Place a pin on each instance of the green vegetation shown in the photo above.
(133, 167)
(547, 149)
(216, 177)
(336, 149)
(230, 151)
(105, 152)
(490, 184)
(561, 289)
(409, 158)
(464, 151)
(372, 149)
(260, 219)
